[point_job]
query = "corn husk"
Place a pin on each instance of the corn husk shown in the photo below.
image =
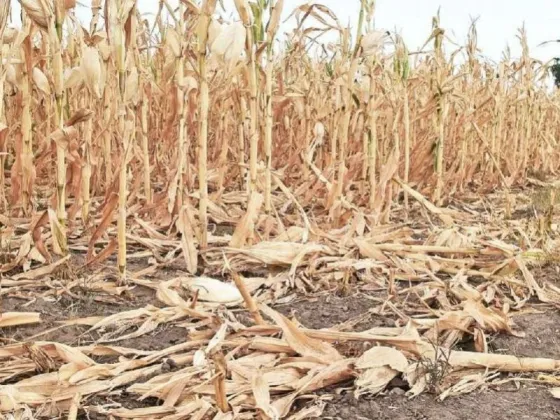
(41, 81)
(73, 77)
(39, 12)
(91, 70)
(229, 43)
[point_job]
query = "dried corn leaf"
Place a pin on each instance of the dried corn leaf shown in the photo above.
(491, 320)
(261, 393)
(246, 226)
(185, 226)
(315, 349)
(377, 367)
(58, 232)
(382, 356)
(11, 319)
(142, 413)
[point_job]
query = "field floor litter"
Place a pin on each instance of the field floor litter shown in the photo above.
(418, 319)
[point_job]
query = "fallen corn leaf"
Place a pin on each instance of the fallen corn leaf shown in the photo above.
(301, 343)
(261, 393)
(10, 319)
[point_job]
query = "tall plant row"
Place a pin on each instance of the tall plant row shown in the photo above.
(127, 121)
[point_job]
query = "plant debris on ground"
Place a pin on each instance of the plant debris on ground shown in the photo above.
(198, 223)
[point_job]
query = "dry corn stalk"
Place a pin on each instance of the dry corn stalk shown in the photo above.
(275, 13)
(207, 9)
(246, 17)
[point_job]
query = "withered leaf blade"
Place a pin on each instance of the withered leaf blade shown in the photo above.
(317, 350)
(142, 413)
(261, 392)
(81, 115)
(246, 226)
(106, 220)
(11, 319)
(186, 228)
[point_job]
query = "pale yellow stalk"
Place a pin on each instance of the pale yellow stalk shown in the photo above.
(145, 150)
(275, 12)
(245, 15)
(207, 9)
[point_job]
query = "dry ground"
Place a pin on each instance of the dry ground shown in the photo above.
(514, 400)
(318, 300)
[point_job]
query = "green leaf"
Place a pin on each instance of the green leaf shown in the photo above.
(258, 28)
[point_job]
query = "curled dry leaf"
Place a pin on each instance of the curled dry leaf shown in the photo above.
(480, 341)
(377, 367)
(41, 81)
(81, 115)
(469, 381)
(317, 350)
(373, 381)
(280, 253)
(63, 136)
(106, 219)
(368, 250)
(492, 320)
(416, 376)
(216, 341)
(373, 42)
(104, 49)
(58, 232)
(199, 359)
(261, 393)
(312, 412)
(274, 21)
(324, 376)
(37, 237)
(185, 226)
(245, 228)
(445, 218)
(382, 356)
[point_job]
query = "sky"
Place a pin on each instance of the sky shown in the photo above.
(498, 20)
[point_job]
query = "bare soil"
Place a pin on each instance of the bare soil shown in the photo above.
(542, 339)
(524, 404)
(328, 309)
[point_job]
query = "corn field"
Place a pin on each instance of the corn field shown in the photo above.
(129, 146)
